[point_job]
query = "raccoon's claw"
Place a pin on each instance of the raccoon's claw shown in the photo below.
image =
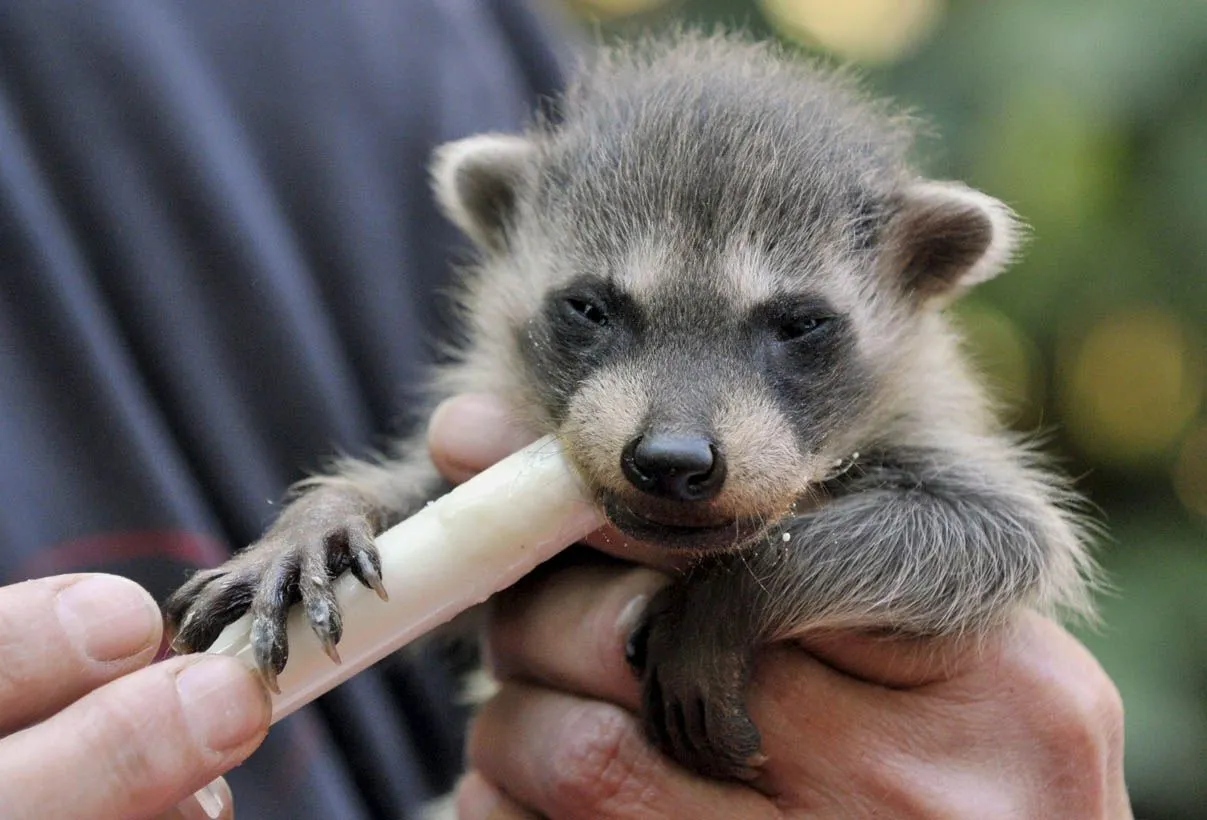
(324, 616)
(295, 562)
(270, 650)
(693, 696)
(366, 566)
(329, 649)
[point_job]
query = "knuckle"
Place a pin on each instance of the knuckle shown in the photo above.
(1086, 716)
(129, 763)
(117, 729)
(1076, 727)
(1064, 697)
(604, 769)
(1098, 708)
(13, 650)
(1083, 746)
(1111, 713)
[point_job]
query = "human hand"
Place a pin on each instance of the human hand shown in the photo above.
(88, 729)
(1023, 723)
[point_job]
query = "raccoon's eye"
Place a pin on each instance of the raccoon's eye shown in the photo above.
(798, 327)
(586, 310)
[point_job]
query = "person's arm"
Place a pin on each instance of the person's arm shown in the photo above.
(1023, 723)
(87, 729)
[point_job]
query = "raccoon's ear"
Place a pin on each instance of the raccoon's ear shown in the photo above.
(946, 237)
(477, 181)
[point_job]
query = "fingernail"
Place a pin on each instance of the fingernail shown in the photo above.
(107, 617)
(208, 803)
(476, 798)
(212, 799)
(630, 614)
(223, 703)
(488, 658)
(627, 625)
(647, 583)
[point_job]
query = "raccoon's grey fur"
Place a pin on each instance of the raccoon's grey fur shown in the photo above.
(716, 278)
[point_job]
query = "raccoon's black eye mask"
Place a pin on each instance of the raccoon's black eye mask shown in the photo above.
(590, 311)
(580, 328)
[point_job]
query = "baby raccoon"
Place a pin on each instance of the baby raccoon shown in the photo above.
(716, 279)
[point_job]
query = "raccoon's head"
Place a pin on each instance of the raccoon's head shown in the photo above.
(707, 279)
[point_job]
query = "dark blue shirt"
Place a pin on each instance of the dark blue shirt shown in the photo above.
(219, 262)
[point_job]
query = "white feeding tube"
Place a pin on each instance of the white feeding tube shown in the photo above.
(455, 553)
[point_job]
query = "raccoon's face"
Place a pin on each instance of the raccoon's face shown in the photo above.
(708, 342)
(699, 418)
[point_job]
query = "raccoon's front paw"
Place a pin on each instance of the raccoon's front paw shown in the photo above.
(694, 692)
(297, 560)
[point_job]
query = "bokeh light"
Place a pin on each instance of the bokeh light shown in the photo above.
(871, 31)
(1131, 385)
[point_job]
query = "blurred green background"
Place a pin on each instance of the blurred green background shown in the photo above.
(1090, 118)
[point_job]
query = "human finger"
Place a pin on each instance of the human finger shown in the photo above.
(470, 432)
(566, 758)
(1027, 694)
(478, 799)
(63, 636)
(134, 747)
(568, 630)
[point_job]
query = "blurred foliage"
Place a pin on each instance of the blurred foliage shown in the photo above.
(1090, 118)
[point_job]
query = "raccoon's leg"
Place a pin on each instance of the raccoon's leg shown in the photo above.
(328, 528)
(922, 543)
(693, 652)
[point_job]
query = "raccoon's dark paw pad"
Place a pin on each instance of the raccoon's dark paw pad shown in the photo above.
(291, 564)
(693, 703)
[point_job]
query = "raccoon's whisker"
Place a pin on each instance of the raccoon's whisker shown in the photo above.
(753, 574)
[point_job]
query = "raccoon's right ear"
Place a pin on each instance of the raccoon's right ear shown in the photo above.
(477, 182)
(945, 237)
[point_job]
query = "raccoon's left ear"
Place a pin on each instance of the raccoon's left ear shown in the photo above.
(945, 237)
(477, 181)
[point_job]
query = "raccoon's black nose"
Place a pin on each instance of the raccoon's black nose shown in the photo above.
(674, 466)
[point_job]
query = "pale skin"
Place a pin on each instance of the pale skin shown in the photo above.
(88, 729)
(1027, 725)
